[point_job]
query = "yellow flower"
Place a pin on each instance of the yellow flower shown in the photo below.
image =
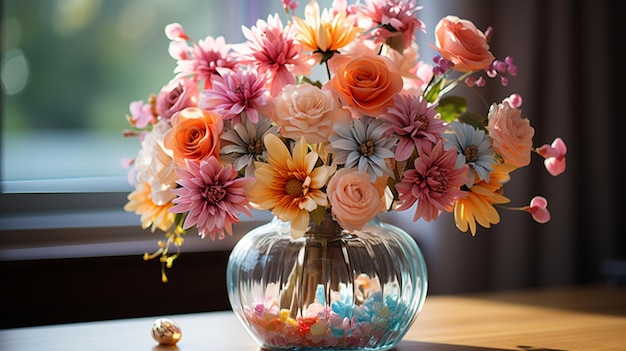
(152, 215)
(478, 205)
(290, 186)
(325, 32)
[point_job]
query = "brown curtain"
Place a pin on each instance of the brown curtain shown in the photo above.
(571, 63)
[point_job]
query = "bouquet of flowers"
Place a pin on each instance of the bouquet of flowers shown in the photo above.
(249, 126)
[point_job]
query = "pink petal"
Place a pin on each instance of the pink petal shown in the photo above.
(560, 146)
(555, 165)
(547, 151)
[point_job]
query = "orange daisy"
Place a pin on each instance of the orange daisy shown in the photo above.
(290, 185)
(325, 33)
(152, 215)
(478, 206)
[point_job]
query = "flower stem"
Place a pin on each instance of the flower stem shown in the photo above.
(327, 69)
(454, 83)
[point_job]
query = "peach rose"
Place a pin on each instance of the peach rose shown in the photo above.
(459, 41)
(303, 110)
(512, 135)
(175, 96)
(367, 83)
(195, 135)
(355, 200)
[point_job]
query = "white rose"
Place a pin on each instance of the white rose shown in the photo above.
(155, 165)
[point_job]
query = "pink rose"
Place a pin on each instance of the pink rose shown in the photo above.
(304, 110)
(459, 41)
(175, 96)
(355, 200)
(512, 135)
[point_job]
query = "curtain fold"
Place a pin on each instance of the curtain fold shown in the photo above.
(570, 76)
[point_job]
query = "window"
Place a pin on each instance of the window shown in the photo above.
(69, 70)
(71, 67)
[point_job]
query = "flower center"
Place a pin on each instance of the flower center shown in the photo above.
(293, 187)
(255, 147)
(440, 183)
(425, 123)
(298, 188)
(471, 153)
(367, 148)
(213, 194)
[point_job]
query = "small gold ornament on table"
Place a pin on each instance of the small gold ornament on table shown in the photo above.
(166, 332)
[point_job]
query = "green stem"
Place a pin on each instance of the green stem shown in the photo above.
(452, 85)
(327, 69)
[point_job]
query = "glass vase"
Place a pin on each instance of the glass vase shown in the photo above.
(330, 289)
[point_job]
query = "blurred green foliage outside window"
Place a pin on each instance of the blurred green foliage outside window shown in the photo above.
(70, 68)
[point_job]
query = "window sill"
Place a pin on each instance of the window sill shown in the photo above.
(62, 219)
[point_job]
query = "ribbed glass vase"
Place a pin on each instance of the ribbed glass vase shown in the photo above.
(330, 289)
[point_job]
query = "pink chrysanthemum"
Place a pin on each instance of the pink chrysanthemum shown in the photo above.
(206, 56)
(274, 52)
(415, 123)
(234, 93)
(393, 18)
(213, 195)
(434, 183)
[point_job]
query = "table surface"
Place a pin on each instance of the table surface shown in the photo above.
(555, 319)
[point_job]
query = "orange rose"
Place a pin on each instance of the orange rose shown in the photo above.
(459, 41)
(367, 83)
(195, 135)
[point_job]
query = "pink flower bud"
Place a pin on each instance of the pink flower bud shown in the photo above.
(174, 31)
(538, 209)
(290, 4)
(515, 100)
(554, 156)
(504, 81)
(500, 66)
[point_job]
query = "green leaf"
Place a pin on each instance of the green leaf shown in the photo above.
(451, 107)
(474, 119)
(433, 92)
(317, 215)
(305, 79)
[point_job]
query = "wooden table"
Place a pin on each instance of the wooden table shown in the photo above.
(581, 318)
